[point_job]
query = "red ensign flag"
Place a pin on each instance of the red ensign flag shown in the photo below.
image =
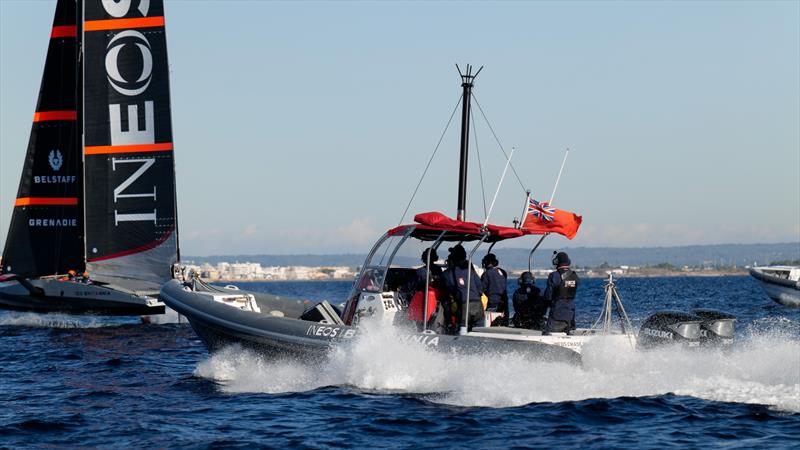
(542, 218)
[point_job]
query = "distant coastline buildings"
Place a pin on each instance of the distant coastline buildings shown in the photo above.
(225, 271)
(248, 271)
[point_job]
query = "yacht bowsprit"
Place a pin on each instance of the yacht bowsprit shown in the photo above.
(94, 227)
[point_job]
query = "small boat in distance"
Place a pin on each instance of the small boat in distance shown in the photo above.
(94, 227)
(781, 283)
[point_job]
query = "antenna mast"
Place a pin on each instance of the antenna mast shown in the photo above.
(467, 79)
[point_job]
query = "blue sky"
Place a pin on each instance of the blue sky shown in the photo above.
(303, 127)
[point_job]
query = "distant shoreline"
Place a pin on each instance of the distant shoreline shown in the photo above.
(593, 273)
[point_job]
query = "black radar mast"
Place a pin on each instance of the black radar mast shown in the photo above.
(467, 79)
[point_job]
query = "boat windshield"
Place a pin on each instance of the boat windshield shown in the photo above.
(373, 273)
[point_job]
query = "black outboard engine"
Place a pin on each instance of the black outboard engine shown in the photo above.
(716, 328)
(669, 328)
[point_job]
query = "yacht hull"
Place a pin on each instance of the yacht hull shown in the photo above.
(70, 297)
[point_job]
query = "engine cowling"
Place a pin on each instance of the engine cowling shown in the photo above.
(716, 327)
(670, 328)
(700, 328)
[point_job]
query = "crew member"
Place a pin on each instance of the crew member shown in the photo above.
(435, 311)
(422, 273)
(529, 306)
(562, 285)
(70, 276)
(494, 281)
(455, 279)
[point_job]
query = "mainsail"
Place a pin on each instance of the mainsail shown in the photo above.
(130, 202)
(103, 200)
(46, 232)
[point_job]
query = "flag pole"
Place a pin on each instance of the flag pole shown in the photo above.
(563, 162)
(552, 196)
(491, 207)
(525, 207)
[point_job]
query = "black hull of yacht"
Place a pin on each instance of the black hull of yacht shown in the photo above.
(75, 306)
(55, 296)
(219, 325)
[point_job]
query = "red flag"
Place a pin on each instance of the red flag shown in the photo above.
(540, 217)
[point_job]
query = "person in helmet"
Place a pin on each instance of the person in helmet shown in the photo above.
(562, 285)
(494, 281)
(455, 279)
(529, 307)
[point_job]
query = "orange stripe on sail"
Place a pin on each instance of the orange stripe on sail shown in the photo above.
(118, 24)
(64, 31)
(106, 149)
(48, 201)
(54, 115)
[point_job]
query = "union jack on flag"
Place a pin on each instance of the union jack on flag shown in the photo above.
(541, 210)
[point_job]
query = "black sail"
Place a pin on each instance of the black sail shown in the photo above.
(131, 220)
(45, 236)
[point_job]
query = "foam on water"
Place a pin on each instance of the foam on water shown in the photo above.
(764, 368)
(38, 320)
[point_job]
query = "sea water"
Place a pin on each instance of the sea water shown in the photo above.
(94, 381)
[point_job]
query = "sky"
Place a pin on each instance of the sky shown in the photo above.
(304, 127)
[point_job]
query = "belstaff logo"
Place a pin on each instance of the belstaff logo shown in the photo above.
(56, 159)
(127, 41)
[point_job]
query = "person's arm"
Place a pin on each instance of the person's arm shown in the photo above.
(553, 281)
(485, 281)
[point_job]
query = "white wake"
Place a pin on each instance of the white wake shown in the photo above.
(762, 369)
(53, 320)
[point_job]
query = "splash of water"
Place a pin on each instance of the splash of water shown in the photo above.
(53, 320)
(763, 369)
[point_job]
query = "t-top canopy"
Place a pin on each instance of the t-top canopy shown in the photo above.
(431, 224)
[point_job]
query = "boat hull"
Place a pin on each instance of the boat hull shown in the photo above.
(56, 296)
(783, 291)
(219, 325)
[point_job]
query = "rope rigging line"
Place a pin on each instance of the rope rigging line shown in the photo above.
(513, 169)
(425, 172)
(480, 167)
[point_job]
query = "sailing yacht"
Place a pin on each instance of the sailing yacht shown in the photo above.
(94, 226)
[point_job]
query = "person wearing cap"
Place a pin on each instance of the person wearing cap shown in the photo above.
(529, 307)
(421, 273)
(435, 311)
(494, 281)
(562, 285)
(455, 280)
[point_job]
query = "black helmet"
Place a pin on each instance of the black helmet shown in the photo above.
(561, 259)
(432, 251)
(490, 259)
(457, 253)
(526, 279)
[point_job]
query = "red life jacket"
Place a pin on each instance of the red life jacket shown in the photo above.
(418, 304)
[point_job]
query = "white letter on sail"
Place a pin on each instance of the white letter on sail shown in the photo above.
(134, 217)
(120, 8)
(134, 135)
(139, 172)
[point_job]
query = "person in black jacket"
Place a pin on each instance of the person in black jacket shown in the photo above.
(562, 285)
(455, 279)
(529, 306)
(422, 273)
(494, 281)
